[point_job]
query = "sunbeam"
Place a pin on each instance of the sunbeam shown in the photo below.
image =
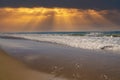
(45, 19)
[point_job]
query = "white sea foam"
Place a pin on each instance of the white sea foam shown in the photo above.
(85, 42)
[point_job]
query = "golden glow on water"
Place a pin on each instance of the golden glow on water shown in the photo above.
(41, 19)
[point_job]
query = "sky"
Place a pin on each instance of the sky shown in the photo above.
(59, 15)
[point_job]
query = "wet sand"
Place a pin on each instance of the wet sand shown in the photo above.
(63, 61)
(12, 69)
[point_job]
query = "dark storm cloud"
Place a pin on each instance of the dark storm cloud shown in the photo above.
(82, 4)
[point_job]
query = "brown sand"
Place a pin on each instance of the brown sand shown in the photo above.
(11, 69)
(61, 61)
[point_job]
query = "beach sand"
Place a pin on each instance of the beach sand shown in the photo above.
(12, 69)
(46, 61)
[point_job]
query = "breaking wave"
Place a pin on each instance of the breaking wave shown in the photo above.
(85, 42)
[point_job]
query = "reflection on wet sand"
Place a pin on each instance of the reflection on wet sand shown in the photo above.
(67, 62)
(83, 67)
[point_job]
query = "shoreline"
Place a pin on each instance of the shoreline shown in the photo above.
(62, 61)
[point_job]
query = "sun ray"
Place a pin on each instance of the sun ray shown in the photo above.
(32, 19)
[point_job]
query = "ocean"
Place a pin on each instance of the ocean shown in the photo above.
(93, 40)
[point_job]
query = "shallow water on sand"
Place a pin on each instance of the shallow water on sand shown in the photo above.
(63, 61)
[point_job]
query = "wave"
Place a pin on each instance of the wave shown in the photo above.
(85, 42)
(95, 34)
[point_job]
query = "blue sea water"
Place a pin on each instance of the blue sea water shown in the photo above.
(83, 33)
(93, 40)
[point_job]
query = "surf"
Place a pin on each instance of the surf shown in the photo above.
(84, 40)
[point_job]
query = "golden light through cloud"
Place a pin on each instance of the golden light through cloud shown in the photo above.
(51, 19)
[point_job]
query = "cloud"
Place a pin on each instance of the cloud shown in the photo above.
(57, 19)
(80, 4)
(113, 16)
